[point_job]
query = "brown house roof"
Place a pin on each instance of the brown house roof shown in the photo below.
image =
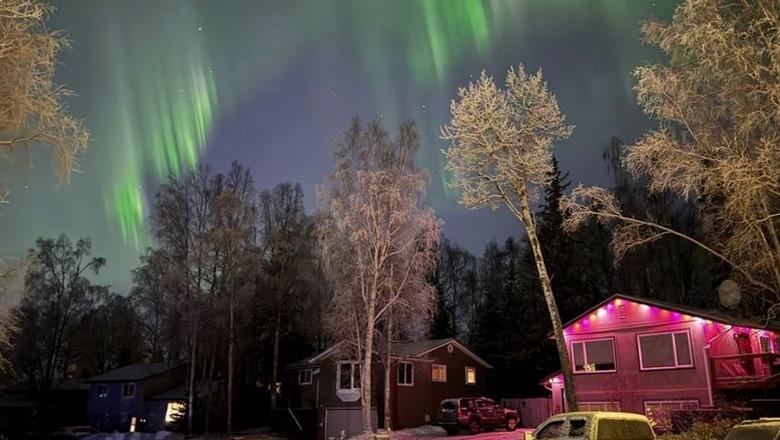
(398, 349)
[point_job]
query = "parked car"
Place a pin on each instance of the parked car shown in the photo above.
(72, 433)
(474, 414)
(761, 429)
(594, 425)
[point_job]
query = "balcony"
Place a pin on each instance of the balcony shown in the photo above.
(755, 370)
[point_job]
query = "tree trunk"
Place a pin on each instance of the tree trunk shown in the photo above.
(231, 354)
(275, 358)
(209, 381)
(560, 342)
(191, 381)
(388, 369)
(365, 373)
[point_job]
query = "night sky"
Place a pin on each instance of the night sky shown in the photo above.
(166, 85)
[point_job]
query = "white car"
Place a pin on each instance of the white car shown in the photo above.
(594, 425)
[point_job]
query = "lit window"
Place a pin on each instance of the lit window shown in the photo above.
(471, 376)
(439, 373)
(665, 350)
(348, 376)
(595, 356)
(174, 412)
(405, 373)
(128, 390)
(304, 376)
(102, 391)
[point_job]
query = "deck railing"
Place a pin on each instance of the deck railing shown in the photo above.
(754, 370)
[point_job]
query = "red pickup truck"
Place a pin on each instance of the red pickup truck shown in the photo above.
(475, 413)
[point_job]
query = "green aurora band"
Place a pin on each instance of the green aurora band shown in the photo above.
(168, 90)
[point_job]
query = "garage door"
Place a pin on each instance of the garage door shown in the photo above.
(348, 420)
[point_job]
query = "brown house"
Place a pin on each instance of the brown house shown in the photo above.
(323, 392)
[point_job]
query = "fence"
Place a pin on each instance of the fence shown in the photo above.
(532, 411)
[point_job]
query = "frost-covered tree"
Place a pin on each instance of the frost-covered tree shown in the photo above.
(377, 241)
(32, 108)
(717, 102)
(500, 155)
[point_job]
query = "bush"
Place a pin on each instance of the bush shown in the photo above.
(712, 430)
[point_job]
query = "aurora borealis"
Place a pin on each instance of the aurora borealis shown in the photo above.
(164, 86)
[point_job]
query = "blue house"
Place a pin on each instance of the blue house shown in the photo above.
(137, 397)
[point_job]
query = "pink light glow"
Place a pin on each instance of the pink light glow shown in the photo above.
(602, 311)
(644, 307)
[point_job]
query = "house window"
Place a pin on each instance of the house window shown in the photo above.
(405, 373)
(599, 406)
(596, 356)
(665, 350)
(660, 411)
(128, 390)
(348, 376)
(438, 373)
(304, 376)
(471, 376)
(174, 411)
(102, 391)
(766, 345)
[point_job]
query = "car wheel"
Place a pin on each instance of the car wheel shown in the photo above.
(452, 431)
(511, 424)
(474, 427)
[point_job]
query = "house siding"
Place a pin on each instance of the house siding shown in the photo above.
(419, 404)
(631, 386)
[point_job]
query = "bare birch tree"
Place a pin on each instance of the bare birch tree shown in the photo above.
(376, 240)
(717, 102)
(500, 154)
(32, 108)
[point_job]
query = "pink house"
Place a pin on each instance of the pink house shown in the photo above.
(649, 357)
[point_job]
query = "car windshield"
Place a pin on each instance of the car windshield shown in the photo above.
(753, 433)
(449, 405)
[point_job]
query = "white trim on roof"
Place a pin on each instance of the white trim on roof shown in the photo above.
(461, 347)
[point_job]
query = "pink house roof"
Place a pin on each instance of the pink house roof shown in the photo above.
(712, 315)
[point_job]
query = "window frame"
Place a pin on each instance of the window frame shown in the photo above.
(466, 371)
(611, 339)
(444, 368)
(770, 344)
(103, 395)
(609, 405)
(671, 333)
(303, 372)
(681, 402)
(353, 365)
(408, 365)
(128, 396)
